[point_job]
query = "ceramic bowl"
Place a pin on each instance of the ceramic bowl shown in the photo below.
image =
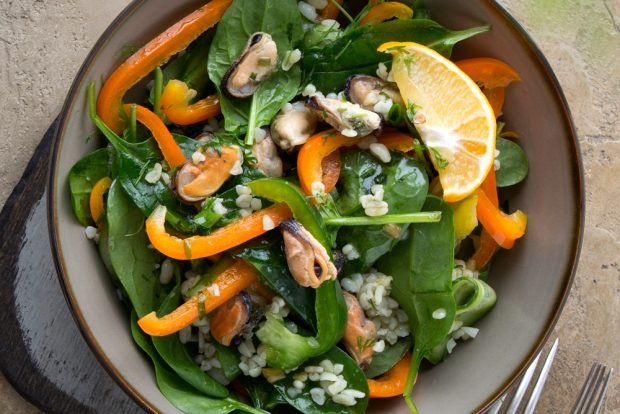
(532, 280)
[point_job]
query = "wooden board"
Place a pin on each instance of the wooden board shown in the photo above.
(42, 353)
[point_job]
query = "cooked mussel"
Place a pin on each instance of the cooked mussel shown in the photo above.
(257, 62)
(360, 333)
(348, 118)
(267, 159)
(293, 126)
(307, 259)
(368, 91)
(230, 319)
(196, 181)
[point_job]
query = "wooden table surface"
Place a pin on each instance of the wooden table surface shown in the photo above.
(42, 45)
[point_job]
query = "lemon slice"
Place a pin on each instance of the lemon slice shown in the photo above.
(450, 112)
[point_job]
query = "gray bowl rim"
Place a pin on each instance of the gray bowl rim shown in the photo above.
(578, 188)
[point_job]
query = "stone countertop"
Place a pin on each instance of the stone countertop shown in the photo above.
(42, 45)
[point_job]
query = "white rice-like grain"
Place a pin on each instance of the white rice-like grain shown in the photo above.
(166, 273)
(344, 399)
(90, 232)
(307, 11)
(439, 313)
(256, 204)
(381, 152)
(198, 157)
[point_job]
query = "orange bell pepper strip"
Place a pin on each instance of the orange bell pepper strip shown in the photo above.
(492, 75)
(392, 383)
(168, 146)
(231, 281)
(222, 239)
(487, 246)
(397, 141)
(312, 153)
(386, 11)
(310, 161)
(155, 53)
(503, 228)
(331, 11)
(175, 104)
(95, 201)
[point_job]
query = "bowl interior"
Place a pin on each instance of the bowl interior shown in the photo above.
(531, 280)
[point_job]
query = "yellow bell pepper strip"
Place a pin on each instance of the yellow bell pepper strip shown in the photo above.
(170, 149)
(465, 219)
(155, 53)
(230, 282)
(222, 239)
(492, 75)
(504, 228)
(386, 11)
(95, 201)
(392, 383)
(175, 104)
(310, 166)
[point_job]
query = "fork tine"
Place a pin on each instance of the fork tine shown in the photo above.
(594, 390)
(515, 402)
(542, 379)
(605, 385)
(585, 394)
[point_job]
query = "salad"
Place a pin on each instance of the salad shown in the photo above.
(304, 207)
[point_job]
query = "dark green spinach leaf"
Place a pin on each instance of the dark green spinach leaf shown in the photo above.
(279, 18)
(267, 257)
(405, 184)
(229, 359)
(421, 267)
(262, 393)
(352, 373)
(356, 51)
(133, 262)
(514, 165)
(174, 353)
(382, 362)
(133, 162)
(82, 177)
(178, 392)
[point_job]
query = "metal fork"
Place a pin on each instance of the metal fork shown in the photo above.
(517, 397)
(594, 390)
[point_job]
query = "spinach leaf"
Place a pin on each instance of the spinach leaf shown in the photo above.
(229, 359)
(352, 373)
(279, 18)
(174, 353)
(405, 184)
(262, 393)
(179, 393)
(382, 362)
(104, 251)
(133, 162)
(133, 262)
(267, 257)
(514, 165)
(191, 66)
(421, 267)
(82, 177)
(356, 51)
